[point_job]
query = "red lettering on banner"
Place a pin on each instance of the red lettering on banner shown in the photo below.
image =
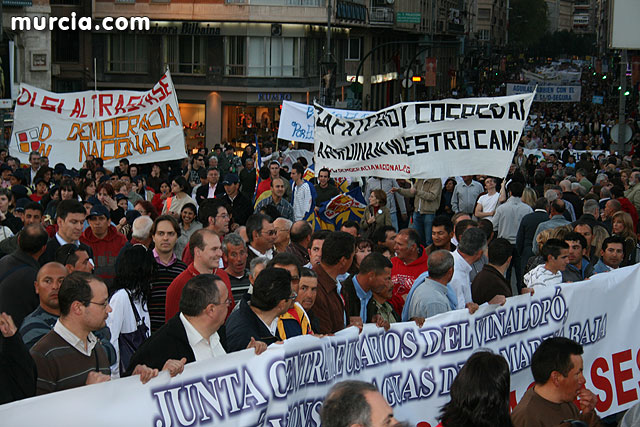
(120, 105)
(22, 100)
(103, 105)
(131, 105)
(47, 106)
(600, 366)
(78, 109)
(602, 383)
(620, 376)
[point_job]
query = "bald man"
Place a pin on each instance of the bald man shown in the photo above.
(283, 227)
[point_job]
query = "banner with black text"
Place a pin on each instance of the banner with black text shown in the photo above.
(412, 367)
(430, 139)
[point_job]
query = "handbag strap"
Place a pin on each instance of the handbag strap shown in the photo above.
(135, 310)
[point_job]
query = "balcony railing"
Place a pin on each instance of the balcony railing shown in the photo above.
(381, 16)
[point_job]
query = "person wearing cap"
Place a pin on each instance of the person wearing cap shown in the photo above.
(41, 190)
(58, 172)
(105, 241)
(240, 205)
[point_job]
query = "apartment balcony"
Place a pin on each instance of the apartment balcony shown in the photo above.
(381, 16)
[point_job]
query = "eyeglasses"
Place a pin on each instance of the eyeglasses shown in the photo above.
(293, 296)
(271, 232)
(103, 304)
(223, 216)
(227, 302)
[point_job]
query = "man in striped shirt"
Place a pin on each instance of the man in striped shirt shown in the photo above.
(556, 255)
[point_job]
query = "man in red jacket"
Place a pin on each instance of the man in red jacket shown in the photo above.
(206, 251)
(105, 241)
(410, 262)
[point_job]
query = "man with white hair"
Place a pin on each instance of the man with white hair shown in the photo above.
(571, 197)
(633, 193)
(283, 227)
(140, 235)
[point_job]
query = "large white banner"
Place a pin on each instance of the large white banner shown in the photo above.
(412, 367)
(296, 120)
(547, 93)
(67, 127)
(424, 139)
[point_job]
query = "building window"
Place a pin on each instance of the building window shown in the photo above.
(484, 14)
(354, 47)
(234, 55)
(184, 54)
(484, 35)
(127, 53)
(273, 57)
(65, 46)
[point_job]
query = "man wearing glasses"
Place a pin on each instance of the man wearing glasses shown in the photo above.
(257, 320)
(206, 251)
(70, 355)
(193, 334)
(262, 236)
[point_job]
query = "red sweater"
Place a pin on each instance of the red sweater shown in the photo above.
(628, 207)
(403, 275)
(105, 251)
(174, 291)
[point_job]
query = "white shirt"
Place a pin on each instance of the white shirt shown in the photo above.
(203, 349)
(74, 341)
(460, 281)
(268, 254)
(539, 277)
(273, 327)
(489, 203)
(121, 320)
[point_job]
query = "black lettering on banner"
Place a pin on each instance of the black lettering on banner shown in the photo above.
(450, 113)
(523, 115)
(476, 139)
(449, 140)
(418, 109)
(392, 116)
(480, 110)
(379, 150)
(381, 119)
(497, 110)
(350, 126)
(507, 140)
(468, 110)
(403, 114)
(407, 140)
(398, 146)
(435, 136)
(361, 124)
(336, 122)
(369, 120)
(513, 111)
(421, 141)
(494, 140)
(439, 107)
(463, 140)
(324, 122)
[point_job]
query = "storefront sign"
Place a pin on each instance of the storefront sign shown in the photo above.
(143, 127)
(274, 96)
(412, 367)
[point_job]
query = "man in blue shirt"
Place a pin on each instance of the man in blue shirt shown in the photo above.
(375, 271)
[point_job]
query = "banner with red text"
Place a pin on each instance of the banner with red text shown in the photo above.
(412, 367)
(143, 127)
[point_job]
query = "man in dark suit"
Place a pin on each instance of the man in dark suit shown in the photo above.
(192, 335)
(70, 215)
(527, 230)
(213, 188)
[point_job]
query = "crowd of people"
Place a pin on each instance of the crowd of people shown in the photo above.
(149, 267)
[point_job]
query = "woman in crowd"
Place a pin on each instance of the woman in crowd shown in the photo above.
(376, 214)
(188, 225)
(479, 394)
(363, 248)
(129, 319)
(445, 199)
(146, 208)
(65, 191)
(622, 225)
(529, 196)
(180, 197)
(160, 197)
(107, 196)
(87, 189)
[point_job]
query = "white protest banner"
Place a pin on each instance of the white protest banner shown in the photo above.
(143, 127)
(296, 120)
(412, 367)
(547, 93)
(424, 139)
(543, 153)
